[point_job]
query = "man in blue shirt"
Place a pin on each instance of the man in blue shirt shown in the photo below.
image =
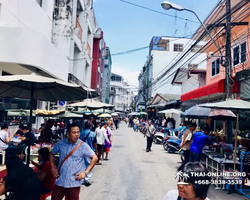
(89, 137)
(200, 139)
(69, 178)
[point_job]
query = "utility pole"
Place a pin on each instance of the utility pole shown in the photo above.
(228, 84)
(228, 49)
(227, 62)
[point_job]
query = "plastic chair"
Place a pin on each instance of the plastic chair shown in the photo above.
(45, 196)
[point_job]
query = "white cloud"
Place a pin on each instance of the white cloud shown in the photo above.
(130, 76)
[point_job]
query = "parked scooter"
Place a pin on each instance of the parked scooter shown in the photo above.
(158, 138)
(172, 145)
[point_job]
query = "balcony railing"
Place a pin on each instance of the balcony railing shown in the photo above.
(78, 26)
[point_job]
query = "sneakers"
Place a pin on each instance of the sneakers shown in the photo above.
(86, 183)
(98, 163)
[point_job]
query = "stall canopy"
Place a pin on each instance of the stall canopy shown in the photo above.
(69, 115)
(41, 88)
(170, 111)
(48, 112)
(105, 115)
(92, 104)
(200, 112)
(134, 114)
(237, 105)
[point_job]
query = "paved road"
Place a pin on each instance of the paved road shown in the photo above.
(133, 174)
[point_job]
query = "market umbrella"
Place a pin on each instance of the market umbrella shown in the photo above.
(134, 114)
(69, 115)
(143, 113)
(114, 114)
(41, 88)
(105, 115)
(237, 105)
(171, 111)
(219, 114)
(196, 112)
(200, 112)
(91, 103)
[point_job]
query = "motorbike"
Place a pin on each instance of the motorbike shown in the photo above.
(172, 145)
(158, 138)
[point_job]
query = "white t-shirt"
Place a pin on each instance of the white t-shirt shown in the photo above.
(3, 136)
(101, 135)
(173, 195)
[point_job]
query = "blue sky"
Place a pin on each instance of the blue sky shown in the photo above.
(128, 27)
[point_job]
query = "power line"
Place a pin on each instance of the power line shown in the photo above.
(152, 10)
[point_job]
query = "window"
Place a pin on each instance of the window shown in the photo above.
(240, 54)
(216, 67)
(178, 47)
(243, 52)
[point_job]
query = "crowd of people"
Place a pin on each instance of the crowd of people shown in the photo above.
(86, 144)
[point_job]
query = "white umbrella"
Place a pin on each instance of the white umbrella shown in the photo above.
(105, 115)
(91, 103)
(41, 88)
(134, 114)
(231, 105)
(143, 113)
(114, 114)
(171, 111)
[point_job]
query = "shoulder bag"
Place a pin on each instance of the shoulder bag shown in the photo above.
(80, 143)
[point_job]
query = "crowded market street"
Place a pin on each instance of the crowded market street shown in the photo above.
(132, 174)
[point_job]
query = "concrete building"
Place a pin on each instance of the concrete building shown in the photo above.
(49, 38)
(97, 63)
(25, 35)
(163, 61)
(140, 100)
(106, 76)
(121, 95)
(74, 28)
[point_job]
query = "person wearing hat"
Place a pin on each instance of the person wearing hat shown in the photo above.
(190, 186)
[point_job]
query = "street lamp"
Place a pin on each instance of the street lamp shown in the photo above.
(166, 5)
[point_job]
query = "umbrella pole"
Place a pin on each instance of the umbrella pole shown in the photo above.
(235, 145)
(31, 117)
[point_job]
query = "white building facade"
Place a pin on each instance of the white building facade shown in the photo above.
(52, 38)
(121, 95)
(163, 62)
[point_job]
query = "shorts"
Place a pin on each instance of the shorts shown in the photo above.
(106, 149)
